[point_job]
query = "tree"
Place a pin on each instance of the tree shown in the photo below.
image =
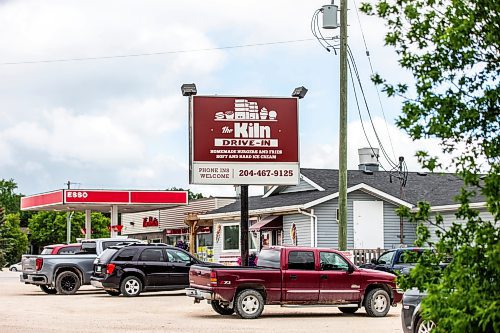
(191, 194)
(11, 201)
(452, 50)
(13, 242)
(3, 242)
(50, 227)
(8, 199)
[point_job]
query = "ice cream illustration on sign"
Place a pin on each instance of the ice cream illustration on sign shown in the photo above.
(246, 126)
(245, 110)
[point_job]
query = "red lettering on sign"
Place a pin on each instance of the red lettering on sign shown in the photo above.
(149, 222)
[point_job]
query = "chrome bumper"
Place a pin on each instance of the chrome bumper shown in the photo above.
(199, 294)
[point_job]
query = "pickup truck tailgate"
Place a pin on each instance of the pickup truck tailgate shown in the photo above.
(199, 276)
(28, 263)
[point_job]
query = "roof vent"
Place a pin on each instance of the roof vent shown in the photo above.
(421, 173)
(368, 159)
(368, 172)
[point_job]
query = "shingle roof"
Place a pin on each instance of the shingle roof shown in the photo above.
(436, 188)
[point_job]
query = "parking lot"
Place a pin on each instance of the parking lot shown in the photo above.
(25, 308)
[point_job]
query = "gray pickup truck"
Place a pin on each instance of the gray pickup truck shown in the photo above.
(64, 274)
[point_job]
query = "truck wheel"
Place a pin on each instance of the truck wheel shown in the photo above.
(348, 309)
(249, 304)
(113, 292)
(67, 283)
(221, 309)
(131, 286)
(377, 303)
(48, 290)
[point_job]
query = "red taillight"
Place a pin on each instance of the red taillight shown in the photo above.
(38, 263)
(110, 268)
(213, 278)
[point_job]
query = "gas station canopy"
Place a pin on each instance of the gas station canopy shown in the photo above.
(125, 201)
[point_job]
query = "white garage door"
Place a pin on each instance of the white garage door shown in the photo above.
(368, 224)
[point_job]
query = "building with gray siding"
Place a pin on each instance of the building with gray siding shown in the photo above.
(308, 211)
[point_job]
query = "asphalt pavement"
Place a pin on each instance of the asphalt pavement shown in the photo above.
(25, 308)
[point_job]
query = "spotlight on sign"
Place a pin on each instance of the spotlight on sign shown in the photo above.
(299, 92)
(188, 89)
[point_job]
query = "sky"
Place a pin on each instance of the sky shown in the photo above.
(122, 122)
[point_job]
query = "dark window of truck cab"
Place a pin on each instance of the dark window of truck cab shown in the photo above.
(408, 257)
(69, 250)
(126, 255)
(152, 255)
(331, 261)
(301, 260)
(89, 247)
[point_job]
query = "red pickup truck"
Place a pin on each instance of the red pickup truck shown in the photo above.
(294, 276)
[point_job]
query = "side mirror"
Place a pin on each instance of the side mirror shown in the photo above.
(374, 261)
(350, 269)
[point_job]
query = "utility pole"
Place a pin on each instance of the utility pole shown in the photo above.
(342, 232)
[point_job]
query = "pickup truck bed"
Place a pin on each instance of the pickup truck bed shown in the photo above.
(64, 274)
(294, 276)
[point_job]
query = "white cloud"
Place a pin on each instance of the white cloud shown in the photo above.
(122, 123)
(324, 155)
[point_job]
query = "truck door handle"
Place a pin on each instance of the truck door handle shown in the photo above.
(324, 277)
(293, 277)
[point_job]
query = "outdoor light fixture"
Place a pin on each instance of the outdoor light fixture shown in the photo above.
(299, 92)
(188, 89)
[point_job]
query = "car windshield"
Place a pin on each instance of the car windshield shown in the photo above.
(386, 258)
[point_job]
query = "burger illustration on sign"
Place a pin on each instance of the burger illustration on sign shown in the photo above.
(245, 110)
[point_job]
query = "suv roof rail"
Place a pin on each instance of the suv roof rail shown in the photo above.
(151, 244)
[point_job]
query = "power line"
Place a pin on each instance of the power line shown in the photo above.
(373, 73)
(154, 53)
(384, 152)
(361, 118)
(316, 31)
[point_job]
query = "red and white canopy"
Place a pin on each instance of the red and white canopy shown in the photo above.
(126, 201)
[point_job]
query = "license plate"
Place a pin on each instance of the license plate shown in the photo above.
(98, 269)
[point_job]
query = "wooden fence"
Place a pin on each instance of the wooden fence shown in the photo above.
(363, 256)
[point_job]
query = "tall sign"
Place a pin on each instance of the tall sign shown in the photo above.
(244, 140)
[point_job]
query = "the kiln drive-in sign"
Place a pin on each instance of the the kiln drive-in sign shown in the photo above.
(244, 140)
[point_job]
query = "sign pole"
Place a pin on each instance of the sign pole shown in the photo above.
(244, 225)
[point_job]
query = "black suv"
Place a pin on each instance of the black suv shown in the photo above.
(134, 268)
(410, 313)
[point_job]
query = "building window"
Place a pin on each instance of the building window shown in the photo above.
(205, 239)
(231, 237)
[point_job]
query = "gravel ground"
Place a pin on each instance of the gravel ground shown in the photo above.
(25, 308)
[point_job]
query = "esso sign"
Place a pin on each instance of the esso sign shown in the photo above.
(77, 194)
